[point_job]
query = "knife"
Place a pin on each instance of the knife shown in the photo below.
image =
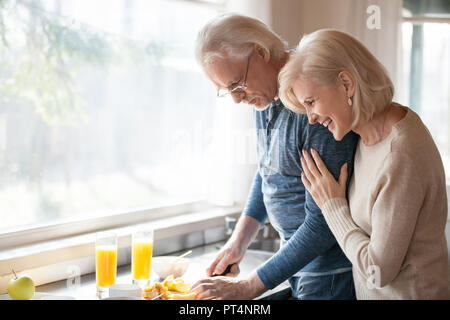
(227, 270)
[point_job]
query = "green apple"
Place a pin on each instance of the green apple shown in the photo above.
(21, 288)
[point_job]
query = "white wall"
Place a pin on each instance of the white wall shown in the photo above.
(258, 9)
(293, 18)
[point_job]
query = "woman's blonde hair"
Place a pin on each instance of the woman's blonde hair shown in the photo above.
(321, 56)
(234, 36)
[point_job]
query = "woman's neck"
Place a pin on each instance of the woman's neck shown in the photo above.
(380, 126)
(374, 130)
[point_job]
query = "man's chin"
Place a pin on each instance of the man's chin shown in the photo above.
(259, 104)
(261, 107)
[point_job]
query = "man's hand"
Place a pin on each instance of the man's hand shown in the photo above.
(231, 253)
(226, 288)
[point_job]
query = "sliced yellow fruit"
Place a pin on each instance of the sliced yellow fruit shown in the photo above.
(182, 296)
(171, 288)
(176, 285)
(180, 287)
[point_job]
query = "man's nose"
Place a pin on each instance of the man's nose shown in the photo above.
(238, 97)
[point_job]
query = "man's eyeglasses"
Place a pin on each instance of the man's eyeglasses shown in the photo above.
(235, 88)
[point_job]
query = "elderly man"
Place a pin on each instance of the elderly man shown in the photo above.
(243, 57)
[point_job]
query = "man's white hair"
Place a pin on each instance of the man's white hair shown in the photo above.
(234, 36)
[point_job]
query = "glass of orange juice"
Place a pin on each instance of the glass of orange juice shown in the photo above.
(105, 261)
(141, 256)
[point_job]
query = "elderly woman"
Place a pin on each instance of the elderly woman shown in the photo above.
(392, 228)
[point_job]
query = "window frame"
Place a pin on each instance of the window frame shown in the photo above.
(426, 19)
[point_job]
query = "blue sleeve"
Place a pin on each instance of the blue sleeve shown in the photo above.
(313, 237)
(255, 207)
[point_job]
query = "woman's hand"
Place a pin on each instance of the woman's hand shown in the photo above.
(319, 181)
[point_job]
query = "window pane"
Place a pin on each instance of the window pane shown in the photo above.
(426, 54)
(102, 107)
(427, 7)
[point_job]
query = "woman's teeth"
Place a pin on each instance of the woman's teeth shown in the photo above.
(326, 123)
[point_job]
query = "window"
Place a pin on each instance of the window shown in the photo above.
(426, 57)
(102, 107)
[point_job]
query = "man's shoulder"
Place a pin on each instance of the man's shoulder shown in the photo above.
(317, 134)
(301, 118)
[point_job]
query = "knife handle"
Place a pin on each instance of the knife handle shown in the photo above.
(227, 270)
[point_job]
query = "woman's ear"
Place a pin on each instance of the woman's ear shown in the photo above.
(262, 52)
(346, 79)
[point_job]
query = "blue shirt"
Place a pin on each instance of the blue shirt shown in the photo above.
(277, 193)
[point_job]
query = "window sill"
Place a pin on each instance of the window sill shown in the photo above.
(58, 259)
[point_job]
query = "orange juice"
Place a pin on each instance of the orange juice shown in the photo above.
(141, 258)
(105, 265)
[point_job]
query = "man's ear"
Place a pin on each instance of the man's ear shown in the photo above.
(263, 53)
(347, 80)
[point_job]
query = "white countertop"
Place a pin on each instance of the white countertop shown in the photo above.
(85, 288)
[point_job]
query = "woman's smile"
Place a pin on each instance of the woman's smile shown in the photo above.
(326, 122)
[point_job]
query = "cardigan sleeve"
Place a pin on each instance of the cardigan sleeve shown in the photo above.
(398, 199)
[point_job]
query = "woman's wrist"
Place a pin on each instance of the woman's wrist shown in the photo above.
(334, 204)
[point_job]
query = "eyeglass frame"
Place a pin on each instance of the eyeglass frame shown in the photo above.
(237, 87)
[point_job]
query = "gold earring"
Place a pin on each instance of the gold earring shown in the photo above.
(349, 101)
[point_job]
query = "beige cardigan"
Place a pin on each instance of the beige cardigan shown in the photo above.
(393, 228)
